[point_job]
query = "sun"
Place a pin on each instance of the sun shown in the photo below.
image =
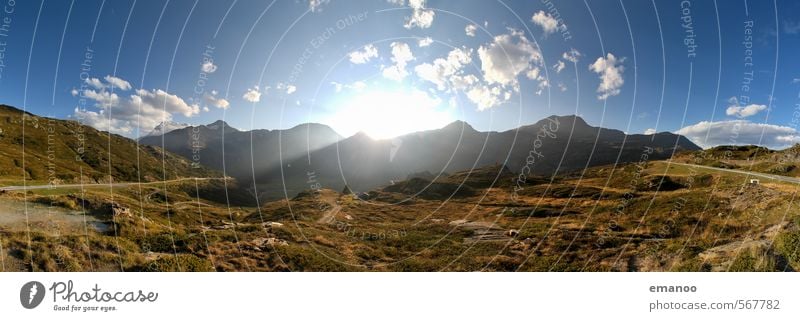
(384, 114)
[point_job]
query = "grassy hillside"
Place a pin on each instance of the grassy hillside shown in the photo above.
(653, 216)
(57, 151)
(784, 162)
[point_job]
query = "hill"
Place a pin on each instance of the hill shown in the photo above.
(60, 151)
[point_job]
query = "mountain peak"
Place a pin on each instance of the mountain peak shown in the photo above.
(459, 125)
(569, 119)
(166, 127)
(220, 125)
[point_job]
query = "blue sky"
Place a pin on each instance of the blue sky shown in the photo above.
(367, 65)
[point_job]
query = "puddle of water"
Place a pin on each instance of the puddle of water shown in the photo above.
(50, 220)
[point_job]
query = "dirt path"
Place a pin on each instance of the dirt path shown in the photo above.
(736, 171)
(125, 184)
(329, 215)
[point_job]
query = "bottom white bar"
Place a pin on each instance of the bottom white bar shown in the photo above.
(398, 296)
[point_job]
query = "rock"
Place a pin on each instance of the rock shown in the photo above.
(272, 224)
(458, 222)
(512, 233)
(119, 210)
(269, 241)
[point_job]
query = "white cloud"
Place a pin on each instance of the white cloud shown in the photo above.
(397, 2)
(559, 66)
(650, 131)
(252, 95)
(562, 86)
(102, 98)
(470, 30)
(283, 87)
(487, 96)
(401, 55)
(572, 55)
(208, 67)
(546, 21)
(740, 132)
(96, 83)
(118, 83)
(796, 81)
(110, 81)
(364, 55)
(610, 69)
(743, 111)
(506, 57)
(357, 86)
(162, 99)
(420, 17)
(424, 42)
(211, 99)
(315, 5)
(143, 109)
(442, 70)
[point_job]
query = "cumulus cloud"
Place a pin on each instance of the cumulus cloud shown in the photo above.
(110, 81)
(610, 70)
(559, 66)
(506, 57)
(424, 42)
(442, 70)
(252, 95)
(740, 132)
(290, 89)
(650, 131)
(102, 98)
(420, 17)
(95, 83)
(208, 67)
(401, 55)
(316, 5)
(546, 21)
(572, 55)
(118, 83)
(142, 109)
(211, 99)
(364, 55)
(470, 30)
(487, 96)
(744, 111)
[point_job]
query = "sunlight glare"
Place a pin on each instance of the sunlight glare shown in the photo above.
(387, 114)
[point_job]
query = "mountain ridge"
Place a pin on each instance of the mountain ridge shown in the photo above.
(284, 160)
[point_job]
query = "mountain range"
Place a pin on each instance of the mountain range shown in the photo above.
(280, 163)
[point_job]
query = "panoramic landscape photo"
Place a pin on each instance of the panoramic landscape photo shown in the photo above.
(399, 135)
